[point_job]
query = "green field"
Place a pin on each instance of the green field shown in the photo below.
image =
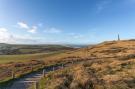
(15, 49)
(23, 53)
(25, 57)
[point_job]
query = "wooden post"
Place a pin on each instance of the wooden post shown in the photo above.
(36, 85)
(86, 52)
(53, 68)
(62, 66)
(72, 62)
(13, 75)
(43, 72)
(31, 67)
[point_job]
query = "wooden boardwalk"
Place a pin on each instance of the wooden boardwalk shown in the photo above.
(31, 79)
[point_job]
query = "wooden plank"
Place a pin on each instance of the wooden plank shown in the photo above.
(26, 81)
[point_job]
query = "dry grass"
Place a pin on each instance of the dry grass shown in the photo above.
(112, 67)
(69, 78)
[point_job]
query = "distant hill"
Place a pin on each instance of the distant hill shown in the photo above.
(10, 49)
(78, 45)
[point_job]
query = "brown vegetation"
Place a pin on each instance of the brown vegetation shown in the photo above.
(110, 65)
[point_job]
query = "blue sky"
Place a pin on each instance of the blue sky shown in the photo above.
(66, 21)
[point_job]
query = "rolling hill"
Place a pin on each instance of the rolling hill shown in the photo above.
(108, 65)
(11, 49)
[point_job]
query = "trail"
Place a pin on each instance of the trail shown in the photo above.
(30, 80)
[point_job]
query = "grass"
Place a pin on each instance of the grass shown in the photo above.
(74, 77)
(112, 68)
(25, 57)
(21, 64)
(11, 49)
(55, 79)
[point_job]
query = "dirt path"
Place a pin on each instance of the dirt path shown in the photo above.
(30, 80)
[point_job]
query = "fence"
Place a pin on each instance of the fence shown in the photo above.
(11, 73)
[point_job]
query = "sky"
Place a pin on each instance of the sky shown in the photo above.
(66, 21)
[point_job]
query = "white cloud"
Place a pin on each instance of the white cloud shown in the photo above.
(33, 29)
(25, 26)
(52, 30)
(5, 36)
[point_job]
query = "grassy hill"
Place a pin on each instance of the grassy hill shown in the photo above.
(111, 65)
(11, 49)
(108, 65)
(20, 58)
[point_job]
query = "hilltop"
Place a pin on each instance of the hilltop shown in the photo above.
(108, 65)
